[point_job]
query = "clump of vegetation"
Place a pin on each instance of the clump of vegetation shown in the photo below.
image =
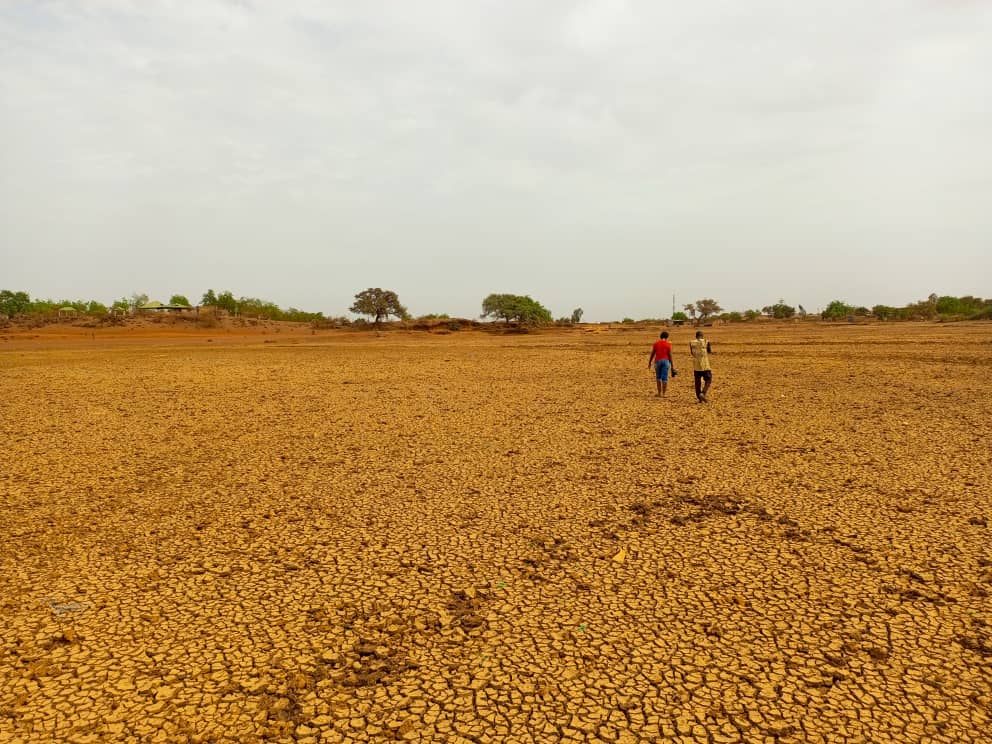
(379, 304)
(707, 308)
(522, 309)
(19, 304)
(934, 307)
(779, 311)
(253, 307)
(836, 310)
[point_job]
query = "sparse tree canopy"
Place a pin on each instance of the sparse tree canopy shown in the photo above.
(691, 309)
(521, 308)
(178, 299)
(577, 315)
(209, 298)
(706, 308)
(379, 304)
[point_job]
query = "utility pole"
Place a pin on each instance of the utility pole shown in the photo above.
(673, 304)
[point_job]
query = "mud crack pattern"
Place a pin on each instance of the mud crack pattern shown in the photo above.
(480, 539)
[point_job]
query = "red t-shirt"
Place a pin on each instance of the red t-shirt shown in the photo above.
(662, 349)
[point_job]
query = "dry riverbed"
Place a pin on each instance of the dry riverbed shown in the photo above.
(476, 538)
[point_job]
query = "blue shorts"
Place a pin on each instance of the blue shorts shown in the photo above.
(661, 368)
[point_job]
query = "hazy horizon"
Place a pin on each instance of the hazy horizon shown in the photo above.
(603, 155)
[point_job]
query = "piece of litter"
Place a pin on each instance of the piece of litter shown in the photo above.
(621, 556)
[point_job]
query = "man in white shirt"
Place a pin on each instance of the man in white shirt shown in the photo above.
(700, 350)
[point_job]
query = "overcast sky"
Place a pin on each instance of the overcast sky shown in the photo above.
(602, 154)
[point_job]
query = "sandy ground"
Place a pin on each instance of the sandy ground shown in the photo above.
(344, 537)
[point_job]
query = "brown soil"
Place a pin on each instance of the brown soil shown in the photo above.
(243, 536)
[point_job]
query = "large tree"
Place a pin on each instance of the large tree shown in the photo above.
(14, 303)
(520, 308)
(781, 311)
(379, 304)
(178, 299)
(706, 308)
(226, 301)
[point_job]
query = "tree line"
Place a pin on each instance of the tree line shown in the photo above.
(934, 307)
(19, 303)
(382, 304)
(379, 304)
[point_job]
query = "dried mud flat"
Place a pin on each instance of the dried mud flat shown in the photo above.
(485, 539)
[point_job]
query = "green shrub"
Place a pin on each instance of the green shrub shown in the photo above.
(836, 310)
(520, 308)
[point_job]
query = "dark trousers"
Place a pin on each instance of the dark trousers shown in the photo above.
(699, 377)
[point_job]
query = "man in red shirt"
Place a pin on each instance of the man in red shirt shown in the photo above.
(661, 356)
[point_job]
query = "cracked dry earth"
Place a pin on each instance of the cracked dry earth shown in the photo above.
(477, 538)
